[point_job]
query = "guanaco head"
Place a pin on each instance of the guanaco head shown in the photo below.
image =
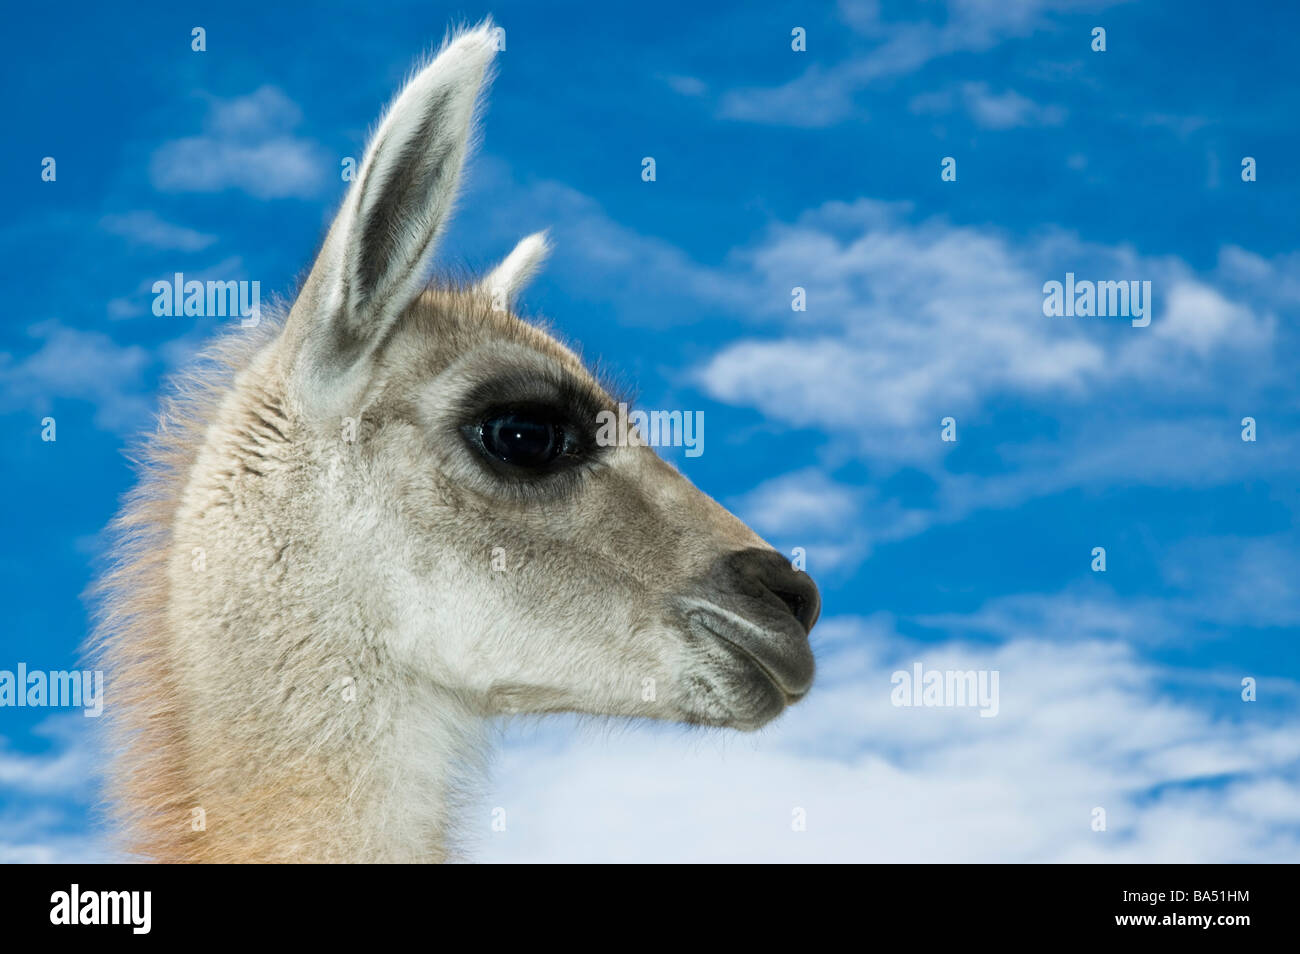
(503, 552)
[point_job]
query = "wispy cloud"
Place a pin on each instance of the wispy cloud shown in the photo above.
(824, 95)
(146, 228)
(989, 110)
(72, 364)
(654, 282)
(818, 97)
(687, 85)
(1234, 580)
(246, 145)
(809, 510)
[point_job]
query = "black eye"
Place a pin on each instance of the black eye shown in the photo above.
(530, 438)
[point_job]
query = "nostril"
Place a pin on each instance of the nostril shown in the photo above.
(799, 594)
(796, 603)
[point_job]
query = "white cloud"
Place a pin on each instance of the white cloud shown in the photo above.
(146, 228)
(989, 110)
(42, 774)
(247, 145)
(1195, 453)
(1007, 109)
(910, 322)
(1201, 318)
(119, 308)
(1276, 279)
(72, 364)
(811, 511)
(822, 96)
(804, 501)
(44, 797)
(1081, 726)
(818, 97)
(1236, 581)
(39, 847)
(265, 112)
(687, 85)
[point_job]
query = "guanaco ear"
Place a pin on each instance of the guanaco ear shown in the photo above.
(505, 281)
(374, 260)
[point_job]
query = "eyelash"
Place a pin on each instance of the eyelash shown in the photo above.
(574, 402)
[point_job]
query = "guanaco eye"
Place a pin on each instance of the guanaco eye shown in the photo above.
(530, 438)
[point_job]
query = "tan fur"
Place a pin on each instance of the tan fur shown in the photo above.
(149, 787)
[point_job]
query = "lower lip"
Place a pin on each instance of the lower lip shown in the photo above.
(790, 698)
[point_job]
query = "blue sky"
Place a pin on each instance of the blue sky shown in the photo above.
(775, 169)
